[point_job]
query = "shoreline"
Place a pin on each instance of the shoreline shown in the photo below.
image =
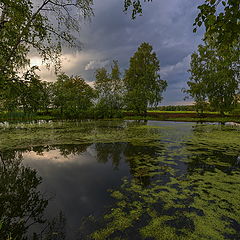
(176, 116)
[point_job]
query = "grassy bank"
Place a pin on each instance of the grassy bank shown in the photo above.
(184, 116)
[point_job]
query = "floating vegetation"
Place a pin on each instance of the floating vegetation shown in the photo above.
(184, 178)
(57, 133)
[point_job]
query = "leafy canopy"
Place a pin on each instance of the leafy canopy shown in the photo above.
(72, 95)
(142, 80)
(110, 91)
(41, 25)
(214, 78)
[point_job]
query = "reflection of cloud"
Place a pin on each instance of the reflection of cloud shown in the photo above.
(55, 157)
(95, 64)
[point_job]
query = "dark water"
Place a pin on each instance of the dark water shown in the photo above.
(169, 180)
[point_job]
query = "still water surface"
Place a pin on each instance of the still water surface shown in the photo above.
(127, 179)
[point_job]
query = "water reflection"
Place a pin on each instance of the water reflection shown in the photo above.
(199, 203)
(22, 204)
(77, 181)
(168, 181)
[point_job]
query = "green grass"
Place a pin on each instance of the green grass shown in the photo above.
(159, 111)
(160, 116)
(186, 119)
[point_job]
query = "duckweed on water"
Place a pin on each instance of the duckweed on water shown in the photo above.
(208, 209)
(57, 133)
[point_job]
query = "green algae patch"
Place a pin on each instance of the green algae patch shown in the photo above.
(216, 137)
(139, 133)
(57, 133)
(190, 210)
(156, 229)
(218, 199)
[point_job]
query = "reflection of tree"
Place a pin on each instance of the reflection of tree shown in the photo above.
(139, 148)
(22, 204)
(113, 152)
(141, 159)
(65, 149)
(75, 149)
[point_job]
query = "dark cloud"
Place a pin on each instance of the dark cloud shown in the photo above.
(111, 34)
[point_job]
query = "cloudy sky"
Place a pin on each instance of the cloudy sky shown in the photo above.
(112, 35)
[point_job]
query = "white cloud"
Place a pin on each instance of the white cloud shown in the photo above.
(95, 64)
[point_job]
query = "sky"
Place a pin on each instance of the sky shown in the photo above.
(113, 35)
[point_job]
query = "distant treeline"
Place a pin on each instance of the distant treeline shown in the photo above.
(175, 108)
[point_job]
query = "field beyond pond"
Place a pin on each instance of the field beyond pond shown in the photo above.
(184, 116)
(120, 179)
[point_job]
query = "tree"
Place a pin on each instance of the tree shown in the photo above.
(72, 95)
(47, 101)
(221, 20)
(142, 80)
(110, 90)
(10, 95)
(25, 92)
(197, 87)
(41, 25)
(213, 78)
(31, 94)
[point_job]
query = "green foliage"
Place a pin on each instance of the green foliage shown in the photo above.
(72, 95)
(186, 108)
(27, 93)
(27, 24)
(135, 5)
(214, 78)
(221, 20)
(142, 80)
(110, 90)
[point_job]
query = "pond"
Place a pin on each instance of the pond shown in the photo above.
(119, 180)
